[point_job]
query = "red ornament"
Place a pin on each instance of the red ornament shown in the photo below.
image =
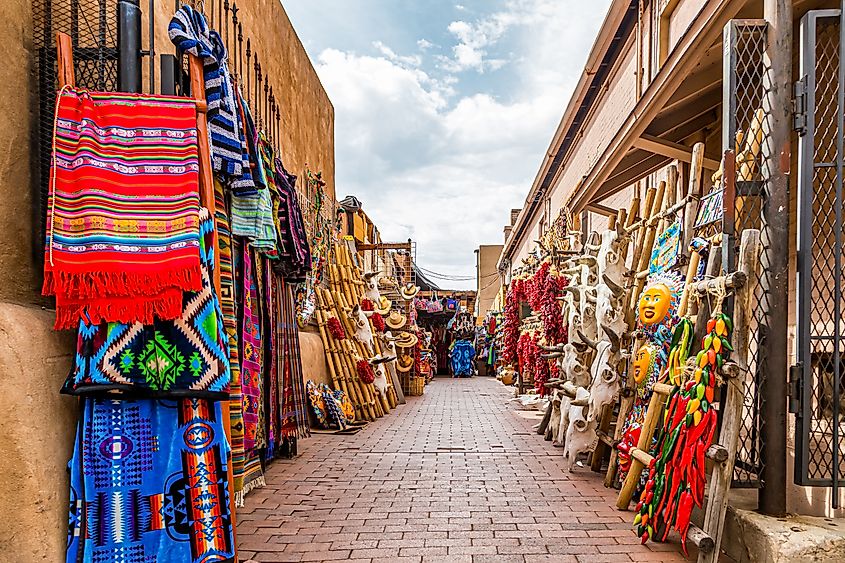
(366, 305)
(378, 322)
(365, 371)
(335, 328)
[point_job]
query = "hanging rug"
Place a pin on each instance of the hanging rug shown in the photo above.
(185, 357)
(122, 240)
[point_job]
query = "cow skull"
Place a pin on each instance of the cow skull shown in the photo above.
(580, 433)
(371, 281)
(361, 323)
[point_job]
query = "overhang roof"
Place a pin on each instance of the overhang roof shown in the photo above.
(615, 30)
(681, 96)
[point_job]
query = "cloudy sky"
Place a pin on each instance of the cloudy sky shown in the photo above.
(443, 110)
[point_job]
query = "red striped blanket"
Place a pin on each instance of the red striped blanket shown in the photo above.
(123, 213)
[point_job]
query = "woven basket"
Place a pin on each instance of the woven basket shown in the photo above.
(417, 386)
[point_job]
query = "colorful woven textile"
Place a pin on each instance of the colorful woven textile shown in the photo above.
(318, 403)
(462, 358)
(123, 213)
(295, 259)
(186, 357)
(294, 404)
(242, 185)
(252, 353)
(190, 33)
(148, 483)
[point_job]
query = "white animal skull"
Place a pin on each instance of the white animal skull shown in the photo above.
(609, 308)
(580, 433)
(609, 259)
(361, 323)
(371, 281)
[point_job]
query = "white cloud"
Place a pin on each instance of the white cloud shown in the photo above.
(445, 169)
(390, 54)
(424, 44)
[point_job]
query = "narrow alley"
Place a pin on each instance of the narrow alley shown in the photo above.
(458, 475)
(380, 280)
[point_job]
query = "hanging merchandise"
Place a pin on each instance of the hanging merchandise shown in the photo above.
(186, 357)
(336, 329)
(123, 212)
(148, 483)
(190, 33)
(510, 330)
(667, 249)
(252, 353)
(657, 311)
(676, 477)
(320, 238)
(462, 357)
(293, 405)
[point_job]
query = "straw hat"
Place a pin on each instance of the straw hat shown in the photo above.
(396, 320)
(382, 306)
(404, 363)
(406, 340)
(408, 291)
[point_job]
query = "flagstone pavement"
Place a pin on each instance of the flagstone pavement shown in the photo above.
(455, 475)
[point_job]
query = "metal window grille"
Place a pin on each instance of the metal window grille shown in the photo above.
(817, 385)
(92, 26)
(744, 113)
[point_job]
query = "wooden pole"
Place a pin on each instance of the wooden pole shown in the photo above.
(731, 423)
(774, 282)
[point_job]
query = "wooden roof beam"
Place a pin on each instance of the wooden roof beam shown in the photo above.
(671, 150)
(602, 209)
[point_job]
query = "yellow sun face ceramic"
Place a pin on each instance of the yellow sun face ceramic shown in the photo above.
(654, 304)
(641, 364)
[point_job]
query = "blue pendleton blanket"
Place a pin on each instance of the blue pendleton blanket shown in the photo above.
(148, 483)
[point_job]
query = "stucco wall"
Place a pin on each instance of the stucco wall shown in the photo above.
(488, 277)
(40, 423)
(307, 135)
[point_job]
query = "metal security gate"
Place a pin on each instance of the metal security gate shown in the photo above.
(817, 384)
(743, 95)
(92, 26)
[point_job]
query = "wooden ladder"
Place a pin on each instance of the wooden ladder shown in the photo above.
(723, 452)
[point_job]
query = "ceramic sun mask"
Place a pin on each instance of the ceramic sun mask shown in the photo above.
(646, 368)
(657, 309)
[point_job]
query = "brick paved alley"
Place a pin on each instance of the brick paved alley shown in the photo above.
(455, 475)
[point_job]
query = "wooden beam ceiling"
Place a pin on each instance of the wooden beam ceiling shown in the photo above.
(674, 151)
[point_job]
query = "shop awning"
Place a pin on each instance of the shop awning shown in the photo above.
(683, 99)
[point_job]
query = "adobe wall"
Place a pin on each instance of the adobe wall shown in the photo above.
(488, 277)
(34, 360)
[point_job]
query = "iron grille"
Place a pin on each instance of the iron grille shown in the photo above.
(820, 223)
(92, 26)
(744, 111)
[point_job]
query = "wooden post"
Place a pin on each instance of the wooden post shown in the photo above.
(696, 182)
(720, 479)
(64, 51)
(774, 239)
(655, 410)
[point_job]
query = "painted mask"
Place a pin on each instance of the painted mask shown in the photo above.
(642, 364)
(654, 304)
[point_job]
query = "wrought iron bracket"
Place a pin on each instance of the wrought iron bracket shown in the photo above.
(799, 106)
(796, 382)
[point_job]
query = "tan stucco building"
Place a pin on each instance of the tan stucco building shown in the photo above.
(489, 279)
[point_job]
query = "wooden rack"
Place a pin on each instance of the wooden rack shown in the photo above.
(723, 452)
(66, 77)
